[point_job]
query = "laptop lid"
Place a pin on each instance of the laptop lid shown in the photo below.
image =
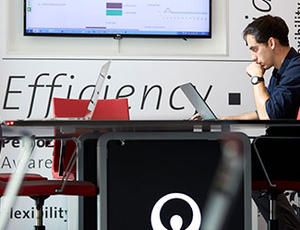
(99, 84)
(198, 102)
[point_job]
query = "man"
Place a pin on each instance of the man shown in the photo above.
(267, 39)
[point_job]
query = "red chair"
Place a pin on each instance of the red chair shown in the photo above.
(4, 177)
(40, 188)
(109, 109)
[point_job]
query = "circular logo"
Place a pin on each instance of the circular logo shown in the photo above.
(176, 221)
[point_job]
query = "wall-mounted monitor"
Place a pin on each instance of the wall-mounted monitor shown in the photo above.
(145, 18)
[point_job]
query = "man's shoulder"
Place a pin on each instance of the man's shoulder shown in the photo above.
(293, 66)
(294, 57)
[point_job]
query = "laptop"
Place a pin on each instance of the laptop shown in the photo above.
(197, 101)
(93, 99)
(99, 85)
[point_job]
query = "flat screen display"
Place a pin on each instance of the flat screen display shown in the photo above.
(147, 181)
(149, 18)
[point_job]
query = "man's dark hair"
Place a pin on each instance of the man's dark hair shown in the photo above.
(267, 26)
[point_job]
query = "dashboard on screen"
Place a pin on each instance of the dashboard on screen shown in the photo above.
(149, 18)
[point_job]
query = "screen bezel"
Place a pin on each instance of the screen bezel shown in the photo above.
(102, 162)
(116, 35)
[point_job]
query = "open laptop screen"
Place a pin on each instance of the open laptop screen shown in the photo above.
(198, 102)
(97, 89)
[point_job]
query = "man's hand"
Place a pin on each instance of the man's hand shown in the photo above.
(196, 117)
(255, 69)
(260, 91)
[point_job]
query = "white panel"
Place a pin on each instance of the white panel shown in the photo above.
(130, 78)
(23, 214)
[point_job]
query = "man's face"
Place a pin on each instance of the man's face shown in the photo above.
(261, 53)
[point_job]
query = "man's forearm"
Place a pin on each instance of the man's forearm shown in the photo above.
(245, 116)
(261, 96)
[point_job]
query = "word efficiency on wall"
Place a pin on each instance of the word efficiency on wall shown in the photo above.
(145, 93)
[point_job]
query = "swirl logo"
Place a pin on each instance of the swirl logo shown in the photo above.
(262, 5)
(176, 220)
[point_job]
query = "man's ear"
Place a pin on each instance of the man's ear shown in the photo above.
(272, 43)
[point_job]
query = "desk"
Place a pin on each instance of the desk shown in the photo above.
(152, 125)
(159, 127)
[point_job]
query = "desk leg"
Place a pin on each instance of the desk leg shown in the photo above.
(87, 170)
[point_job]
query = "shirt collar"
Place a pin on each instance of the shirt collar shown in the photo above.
(291, 54)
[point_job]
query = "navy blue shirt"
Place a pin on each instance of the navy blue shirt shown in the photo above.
(284, 88)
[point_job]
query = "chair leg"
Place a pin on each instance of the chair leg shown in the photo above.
(39, 202)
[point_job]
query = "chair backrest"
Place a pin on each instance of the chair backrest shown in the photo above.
(279, 141)
(109, 109)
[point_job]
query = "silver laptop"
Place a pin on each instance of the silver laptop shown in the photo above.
(99, 85)
(94, 97)
(198, 102)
